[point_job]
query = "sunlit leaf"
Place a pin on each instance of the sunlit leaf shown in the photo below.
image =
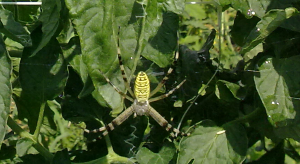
(5, 87)
(265, 26)
(278, 83)
(209, 143)
(144, 27)
(223, 87)
(23, 146)
(257, 8)
(70, 50)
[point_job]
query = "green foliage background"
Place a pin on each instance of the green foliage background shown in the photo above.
(240, 101)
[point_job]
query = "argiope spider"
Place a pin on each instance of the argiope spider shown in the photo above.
(141, 97)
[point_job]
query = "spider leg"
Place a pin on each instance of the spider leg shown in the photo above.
(164, 123)
(117, 89)
(163, 81)
(114, 123)
(167, 94)
(122, 66)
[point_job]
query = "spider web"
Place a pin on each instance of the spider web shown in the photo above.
(133, 137)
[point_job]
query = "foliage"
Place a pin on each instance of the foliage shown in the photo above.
(240, 101)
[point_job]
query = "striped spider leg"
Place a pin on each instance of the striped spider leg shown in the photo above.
(141, 97)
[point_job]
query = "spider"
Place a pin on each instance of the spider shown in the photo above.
(140, 97)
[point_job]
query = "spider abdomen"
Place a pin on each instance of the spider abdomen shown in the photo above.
(142, 87)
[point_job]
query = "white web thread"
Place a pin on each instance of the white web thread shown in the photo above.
(131, 152)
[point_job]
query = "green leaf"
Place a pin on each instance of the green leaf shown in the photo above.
(23, 146)
(222, 87)
(37, 158)
(242, 6)
(196, 11)
(257, 8)
(7, 152)
(72, 53)
(292, 23)
(278, 83)
(160, 48)
(5, 87)
(260, 121)
(61, 157)
(265, 26)
(291, 131)
(146, 156)
(144, 28)
(47, 71)
(254, 52)
(240, 31)
(99, 45)
(209, 143)
(281, 43)
(276, 155)
(43, 77)
(223, 3)
(50, 18)
(13, 29)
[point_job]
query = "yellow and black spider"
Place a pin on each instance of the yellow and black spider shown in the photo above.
(141, 97)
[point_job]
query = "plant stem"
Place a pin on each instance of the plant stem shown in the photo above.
(226, 31)
(24, 134)
(16, 13)
(108, 144)
(40, 121)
